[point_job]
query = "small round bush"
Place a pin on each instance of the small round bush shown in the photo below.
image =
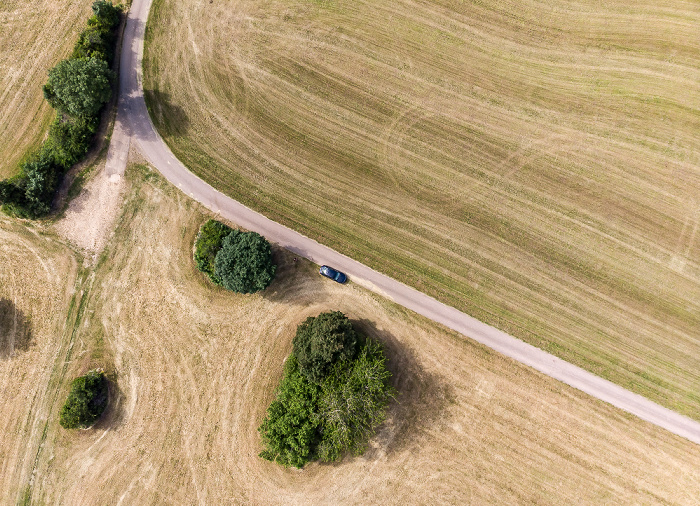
(244, 262)
(86, 401)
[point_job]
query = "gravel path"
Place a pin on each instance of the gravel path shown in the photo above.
(136, 125)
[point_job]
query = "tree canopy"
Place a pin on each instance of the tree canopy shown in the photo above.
(323, 419)
(244, 262)
(208, 243)
(79, 87)
(322, 341)
(86, 401)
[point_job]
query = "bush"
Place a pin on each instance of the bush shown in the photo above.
(208, 243)
(244, 262)
(69, 140)
(86, 401)
(309, 421)
(322, 341)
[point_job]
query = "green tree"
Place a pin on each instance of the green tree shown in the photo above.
(244, 262)
(105, 14)
(86, 401)
(322, 341)
(69, 141)
(79, 87)
(208, 243)
(353, 403)
(290, 429)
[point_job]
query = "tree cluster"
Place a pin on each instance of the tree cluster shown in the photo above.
(333, 395)
(77, 88)
(238, 261)
(86, 401)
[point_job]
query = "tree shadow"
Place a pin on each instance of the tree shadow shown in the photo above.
(420, 403)
(15, 330)
(171, 118)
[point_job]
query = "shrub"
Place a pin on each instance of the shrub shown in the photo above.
(69, 140)
(208, 243)
(322, 341)
(86, 401)
(244, 262)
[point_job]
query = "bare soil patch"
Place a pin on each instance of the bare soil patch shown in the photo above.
(196, 367)
(90, 217)
(534, 164)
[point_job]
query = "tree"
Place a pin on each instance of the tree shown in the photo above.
(86, 401)
(104, 14)
(322, 341)
(79, 87)
(209, 241)
(353, 403)
(290, 430)
(244, 262)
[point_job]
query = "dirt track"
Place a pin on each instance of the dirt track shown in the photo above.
(154, 149)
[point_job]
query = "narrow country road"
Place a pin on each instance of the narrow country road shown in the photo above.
(134, 126)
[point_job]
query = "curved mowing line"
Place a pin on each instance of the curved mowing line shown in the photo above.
(136, 123)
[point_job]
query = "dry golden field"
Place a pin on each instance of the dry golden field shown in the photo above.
(34, 36)
(196, 367)
(535, 164)
(37, 307)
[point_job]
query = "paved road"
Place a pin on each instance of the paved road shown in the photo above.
(134, 122)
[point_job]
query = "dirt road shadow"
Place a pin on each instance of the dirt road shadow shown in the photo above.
(15, 329)
(420, 403)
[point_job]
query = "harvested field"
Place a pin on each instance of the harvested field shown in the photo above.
(197, 367)
(34, 37)
(535, 164)
(37, 278)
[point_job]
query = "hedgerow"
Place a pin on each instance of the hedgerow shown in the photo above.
(77, 88)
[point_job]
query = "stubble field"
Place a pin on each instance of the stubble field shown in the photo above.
(37, 306)
(534, 164)
(197, 366)
(34, 36)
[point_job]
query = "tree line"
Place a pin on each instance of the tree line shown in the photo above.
(77, 88)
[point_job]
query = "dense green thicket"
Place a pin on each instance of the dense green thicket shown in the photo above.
(244, 262)
(77, 88)
(208, 243)
(86, 401)
(338, 413)
(322, 341)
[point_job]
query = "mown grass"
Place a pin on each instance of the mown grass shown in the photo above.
(535, 165)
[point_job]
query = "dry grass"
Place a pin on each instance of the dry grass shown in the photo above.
(37, 277)
(197, 366)
(532, 163)
(34, 37)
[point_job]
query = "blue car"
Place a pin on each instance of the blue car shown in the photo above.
(329, 272)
